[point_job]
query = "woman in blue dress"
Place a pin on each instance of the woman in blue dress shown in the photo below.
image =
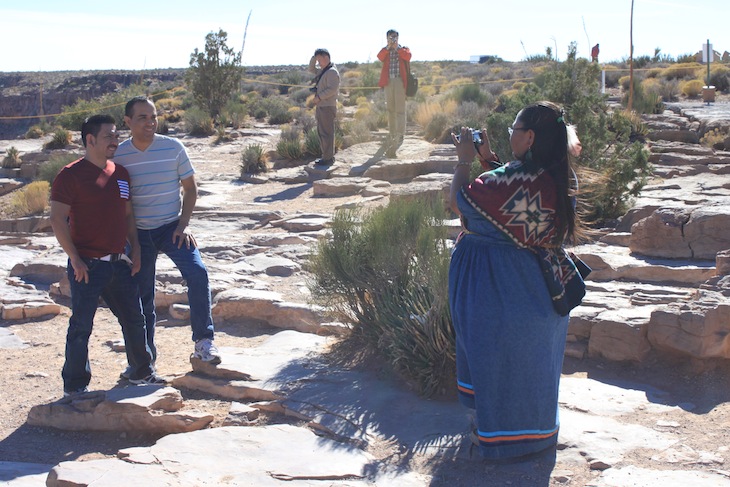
(509, 280)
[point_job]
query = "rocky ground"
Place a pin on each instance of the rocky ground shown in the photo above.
(661, 422)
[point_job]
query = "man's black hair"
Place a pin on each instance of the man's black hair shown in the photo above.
(129, 107)
(92, 125)
(391, 31)
(322, 52)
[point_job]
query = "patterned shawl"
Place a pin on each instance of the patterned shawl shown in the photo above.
(521, 201)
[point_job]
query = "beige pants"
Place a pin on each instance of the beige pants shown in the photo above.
(395, 101)
(325, 117)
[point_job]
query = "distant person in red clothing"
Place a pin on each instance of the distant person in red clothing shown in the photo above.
(594, 54)
(393, 79)
(91, 216)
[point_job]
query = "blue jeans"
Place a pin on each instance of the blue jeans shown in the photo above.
(194, 272)
(113, 282)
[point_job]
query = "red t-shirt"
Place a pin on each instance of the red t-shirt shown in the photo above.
(98, 200)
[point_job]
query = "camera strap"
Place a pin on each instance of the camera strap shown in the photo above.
(315, 80)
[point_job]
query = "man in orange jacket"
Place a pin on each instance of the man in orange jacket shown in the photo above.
(393, 79)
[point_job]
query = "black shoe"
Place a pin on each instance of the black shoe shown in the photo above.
(152, 380)
(82, 390)
(324, 162)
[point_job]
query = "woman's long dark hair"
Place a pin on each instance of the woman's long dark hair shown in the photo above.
(550, 152)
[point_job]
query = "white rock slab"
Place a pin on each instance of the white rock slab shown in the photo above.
(18, 474)
(642, 477)
(261, 457)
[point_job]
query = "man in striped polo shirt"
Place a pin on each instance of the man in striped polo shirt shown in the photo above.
(159, 167)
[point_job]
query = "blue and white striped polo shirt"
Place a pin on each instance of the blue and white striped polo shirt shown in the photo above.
(155, 175)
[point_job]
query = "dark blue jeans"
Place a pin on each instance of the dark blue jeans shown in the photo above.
(194, 272)
(113, 282)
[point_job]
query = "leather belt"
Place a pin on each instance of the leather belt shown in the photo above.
(115, 258)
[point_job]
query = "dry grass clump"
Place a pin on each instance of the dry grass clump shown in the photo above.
(31, 199)
(692, 88)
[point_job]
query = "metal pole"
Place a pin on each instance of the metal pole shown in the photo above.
(708, 63)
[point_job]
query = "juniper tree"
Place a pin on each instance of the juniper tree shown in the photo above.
(214, 73)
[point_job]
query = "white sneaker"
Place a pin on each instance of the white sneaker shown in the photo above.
(206, 351)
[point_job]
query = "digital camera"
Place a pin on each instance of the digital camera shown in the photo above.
(476, 136)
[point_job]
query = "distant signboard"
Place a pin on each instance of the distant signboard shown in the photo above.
(707, 49)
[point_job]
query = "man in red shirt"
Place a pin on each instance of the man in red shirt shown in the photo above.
(91, 215)
(393, 80)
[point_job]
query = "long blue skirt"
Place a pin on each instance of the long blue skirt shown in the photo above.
(510, 342)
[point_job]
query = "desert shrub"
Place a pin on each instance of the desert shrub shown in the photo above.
(682, 70)
(714, 138)
(720, 77)
(624, 82)
(61, 138)
(435, 117)
(653, 72)
(234, 113)
(253, 160)
(299, 95)
(613, 75)
(291, 79)
(471, 93)
(641, 62)
(278, 110)
(290, 144)
(644, 101)
(169, 103)
(12, 158)
(48, 170)
(368, 81)
(311, 143)
(31, 199)
(306, 121)
(355, 132)
(37, 131)
(692, 88)
(686, 58)
(198, 122)
(471, 114)
(385, 273)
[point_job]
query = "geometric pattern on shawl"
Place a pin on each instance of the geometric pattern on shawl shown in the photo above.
(518, 199)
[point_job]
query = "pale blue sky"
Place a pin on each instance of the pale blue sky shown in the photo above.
(52, 35)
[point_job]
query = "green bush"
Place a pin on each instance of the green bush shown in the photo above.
(644, 101)
(278, 110)
(61, 138)
(198, 122)
(385, 272)
(311, 143)
(290, 144)
(471, 93)
(12, 158)
(48, 170)
(253, 160)
(720, 78)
